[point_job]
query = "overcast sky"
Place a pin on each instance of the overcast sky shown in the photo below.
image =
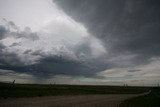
(80, 41)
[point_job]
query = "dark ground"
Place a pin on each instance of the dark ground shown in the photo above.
(107, 100)
(149, 100)
(34, 90)
(34, 95)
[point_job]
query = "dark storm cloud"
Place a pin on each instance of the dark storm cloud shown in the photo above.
(10, 59)
(1, 47)
(83, 51)
(134, 70)
(3, 31)
(125, 26)
(15, 44)
(37, 52)
(11, 29)
(1, 53)
(27, 33)
(46, 64)
(27, 51)
(50, 66)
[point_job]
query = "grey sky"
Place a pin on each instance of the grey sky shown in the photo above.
(97, 42)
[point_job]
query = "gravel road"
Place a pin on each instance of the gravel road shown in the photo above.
(110, 100)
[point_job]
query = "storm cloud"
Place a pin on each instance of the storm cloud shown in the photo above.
(128, 29)
(124, 26)
(104, 41)
(23, 51)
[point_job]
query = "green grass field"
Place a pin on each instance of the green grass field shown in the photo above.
(33, 90)
(150, 100)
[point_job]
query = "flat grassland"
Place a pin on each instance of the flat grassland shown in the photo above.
(37, 90)
(41, 95)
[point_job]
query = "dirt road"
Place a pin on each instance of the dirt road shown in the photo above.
(109, 100)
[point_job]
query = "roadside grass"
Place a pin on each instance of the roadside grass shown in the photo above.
(150, 100)
(36, 90)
